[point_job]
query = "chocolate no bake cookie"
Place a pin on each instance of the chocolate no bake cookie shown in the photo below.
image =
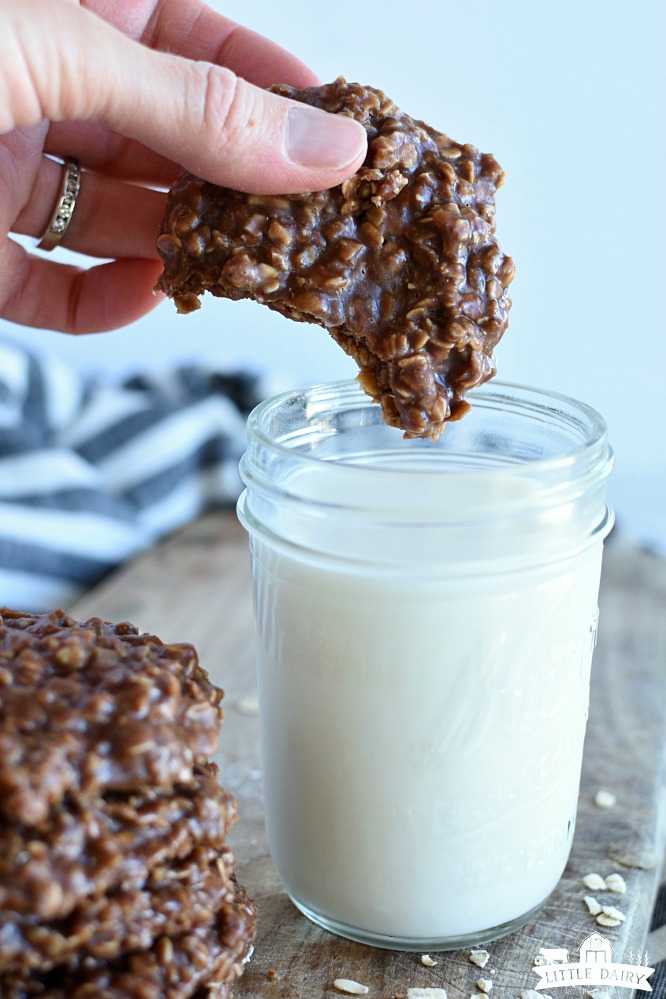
(88, 848)
(400, 263)
(201, 964)
(92, 707)
(115, 878)
(182, 896)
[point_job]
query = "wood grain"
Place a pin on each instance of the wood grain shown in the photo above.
(196, 587)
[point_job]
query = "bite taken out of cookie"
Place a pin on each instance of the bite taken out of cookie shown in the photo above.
(400, 263)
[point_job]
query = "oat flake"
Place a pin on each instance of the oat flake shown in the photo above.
(616, 883)
(594, 882)
(605, 799)
(249, 705)
(350, 987)
(479, 957)
(605, 920)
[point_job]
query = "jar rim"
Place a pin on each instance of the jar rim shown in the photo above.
(322, 473)
(591, 451)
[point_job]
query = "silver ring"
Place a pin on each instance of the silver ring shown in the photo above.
(64, 209)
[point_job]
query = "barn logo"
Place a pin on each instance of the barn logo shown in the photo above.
(595, 966)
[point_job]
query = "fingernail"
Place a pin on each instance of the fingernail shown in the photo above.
(318, 139)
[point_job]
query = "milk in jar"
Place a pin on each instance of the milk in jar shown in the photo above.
(425, 615)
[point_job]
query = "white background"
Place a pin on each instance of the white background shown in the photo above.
(569, 97)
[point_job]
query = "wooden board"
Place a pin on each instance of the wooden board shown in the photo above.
(196, 587)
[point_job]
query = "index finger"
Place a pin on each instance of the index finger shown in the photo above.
(190, 29)
(193, 30)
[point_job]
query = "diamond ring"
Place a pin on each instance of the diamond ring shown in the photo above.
(64, 209)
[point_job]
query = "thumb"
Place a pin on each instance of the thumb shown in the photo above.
(230, 132)
(201, 116)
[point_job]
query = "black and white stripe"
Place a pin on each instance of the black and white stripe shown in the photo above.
(92, 472)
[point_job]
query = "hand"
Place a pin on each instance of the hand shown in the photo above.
(137, 90)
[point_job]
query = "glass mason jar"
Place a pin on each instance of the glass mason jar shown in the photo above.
(425, 616)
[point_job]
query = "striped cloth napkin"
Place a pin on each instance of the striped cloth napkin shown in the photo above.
(92, 471)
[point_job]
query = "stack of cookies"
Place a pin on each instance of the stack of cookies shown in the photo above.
(115, 878)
